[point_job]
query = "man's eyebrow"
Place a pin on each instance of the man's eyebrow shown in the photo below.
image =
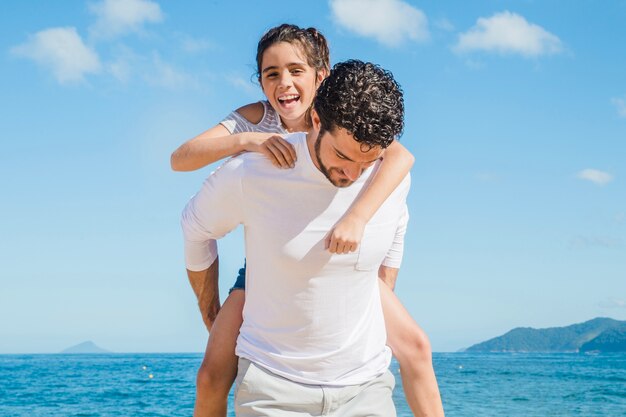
(350, 159)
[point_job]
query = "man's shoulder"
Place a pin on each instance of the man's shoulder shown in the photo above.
(254, 159)
(406, 183)
(230, 170)
(254, 167)
(296, 138)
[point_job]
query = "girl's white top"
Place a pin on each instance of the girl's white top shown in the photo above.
(270, 123)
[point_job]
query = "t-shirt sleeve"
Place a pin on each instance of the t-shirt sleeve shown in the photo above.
(396, 251)
(235, 123)
(213, 212)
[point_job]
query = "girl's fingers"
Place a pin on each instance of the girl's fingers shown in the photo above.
(347, 248)
(270, 155)
(292, 150)
(277, 155)
(340, 247)
(286, 150)
(332, 248)
(335, 246)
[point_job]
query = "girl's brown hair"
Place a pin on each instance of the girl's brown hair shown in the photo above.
(311, 42)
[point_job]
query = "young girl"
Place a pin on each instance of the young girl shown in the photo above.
(291, 63)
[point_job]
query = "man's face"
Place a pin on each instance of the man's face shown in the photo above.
(341, 158)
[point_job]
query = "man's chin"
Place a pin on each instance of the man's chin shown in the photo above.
(341, 182)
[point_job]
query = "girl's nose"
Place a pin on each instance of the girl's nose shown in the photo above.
(285, 80)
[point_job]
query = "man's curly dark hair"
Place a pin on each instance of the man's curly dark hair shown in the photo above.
(364, 99)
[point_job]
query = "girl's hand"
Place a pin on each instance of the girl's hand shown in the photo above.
(345, 236)
(280, 152)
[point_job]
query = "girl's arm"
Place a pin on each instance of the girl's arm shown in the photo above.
(346, 235)
(218, 143)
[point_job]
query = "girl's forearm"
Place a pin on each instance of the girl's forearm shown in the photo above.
(205, 149)
(396, 164)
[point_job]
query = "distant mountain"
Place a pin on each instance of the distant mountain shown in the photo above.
(85, 347)
(612, 340)
(600, 334)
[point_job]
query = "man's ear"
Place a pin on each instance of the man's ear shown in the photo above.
(315, 119)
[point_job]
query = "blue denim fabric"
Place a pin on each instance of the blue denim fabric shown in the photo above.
(240, 283)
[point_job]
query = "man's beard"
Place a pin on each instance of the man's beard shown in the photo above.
(342, 182)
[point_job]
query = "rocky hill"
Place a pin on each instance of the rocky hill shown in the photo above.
(85, 347)
(598, 335)
(613, 340)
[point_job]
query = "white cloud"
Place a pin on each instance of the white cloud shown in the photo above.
(508, 32)
(595, 176)
(120, 69)
(475, 64)
(165, 75)
(444, 24)
(244, 85)
(390, 22)
(620, 104)
(124, 63)
(194, 45)
(118, 17)
(61, 50)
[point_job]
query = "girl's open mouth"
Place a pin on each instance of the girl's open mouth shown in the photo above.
(288, 99)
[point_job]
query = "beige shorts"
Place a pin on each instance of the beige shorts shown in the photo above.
(258, 392)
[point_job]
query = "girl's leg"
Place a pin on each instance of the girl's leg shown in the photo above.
(219, 366)
(411, 348)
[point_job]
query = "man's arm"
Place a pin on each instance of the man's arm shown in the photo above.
(205, 286)
(213, 212)
(388, 270)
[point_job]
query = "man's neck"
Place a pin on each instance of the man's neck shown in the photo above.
(311, 137)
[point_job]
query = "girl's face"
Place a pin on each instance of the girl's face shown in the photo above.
(289, 83)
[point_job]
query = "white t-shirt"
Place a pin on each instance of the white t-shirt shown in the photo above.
(310, 316)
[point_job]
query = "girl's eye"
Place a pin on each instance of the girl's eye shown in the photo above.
(271, 75)
(297, 71)
(340, 156)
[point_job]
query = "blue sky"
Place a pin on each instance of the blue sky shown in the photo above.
(516, 114)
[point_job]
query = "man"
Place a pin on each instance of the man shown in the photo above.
(313, 337)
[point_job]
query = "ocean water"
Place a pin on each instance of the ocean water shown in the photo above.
(472, 385)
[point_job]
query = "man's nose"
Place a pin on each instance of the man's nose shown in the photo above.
(352, 171)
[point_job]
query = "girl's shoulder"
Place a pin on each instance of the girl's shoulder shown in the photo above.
(253, 112)
(257, 117)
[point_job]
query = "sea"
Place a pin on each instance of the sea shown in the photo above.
(472, 385)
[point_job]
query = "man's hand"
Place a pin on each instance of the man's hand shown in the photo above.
(209, 304)
(205, 286)
(345, 236)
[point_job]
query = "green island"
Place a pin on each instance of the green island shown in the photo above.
(600, 335)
